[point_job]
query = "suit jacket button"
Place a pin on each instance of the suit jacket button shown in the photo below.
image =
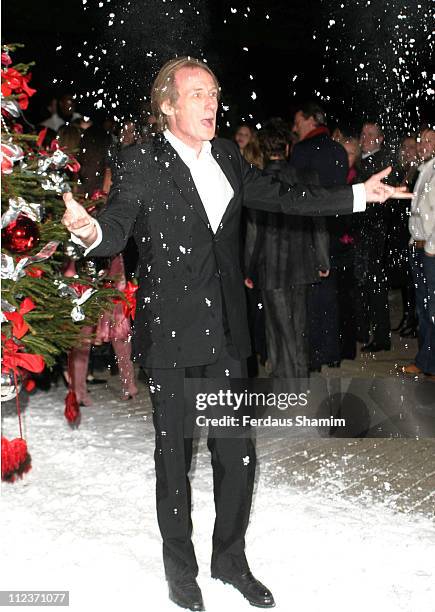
(217, 274)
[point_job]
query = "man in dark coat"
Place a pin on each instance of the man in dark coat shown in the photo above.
(180, 196)
(288, 255)
(373, 228)
(318, 152)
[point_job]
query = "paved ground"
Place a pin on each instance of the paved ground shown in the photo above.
(397, 472)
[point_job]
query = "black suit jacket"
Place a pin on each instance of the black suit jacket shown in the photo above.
(322, 154)
(375, 219)
(185, 270)
(329, 159)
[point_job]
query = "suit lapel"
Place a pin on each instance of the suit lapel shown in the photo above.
(182, 177)
(173, 164)
(226, 163)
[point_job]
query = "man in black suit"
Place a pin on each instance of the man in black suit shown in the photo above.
(373, 224)
(180, 196)
(316, 151)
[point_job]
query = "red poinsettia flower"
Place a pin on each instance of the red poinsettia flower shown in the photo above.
(13, 82)
(41, 137)
(23, 101)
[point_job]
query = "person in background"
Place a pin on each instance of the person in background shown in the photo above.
(317, 151)
(65, 112)
(69, 138)
(399, 268)
(343, 237)
(353, 150)
(94, 148)
(128, 135)
(91, 148)
(243, 135)
(253, 155)
(422, 249)
(112, 327)
(288, 255)
(374, 315)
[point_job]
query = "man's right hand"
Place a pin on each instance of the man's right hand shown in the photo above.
(78, 221)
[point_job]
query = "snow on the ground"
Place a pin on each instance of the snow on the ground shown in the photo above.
(83, 520)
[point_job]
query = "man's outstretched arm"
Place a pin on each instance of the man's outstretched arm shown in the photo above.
(109, 234)
(267, 193)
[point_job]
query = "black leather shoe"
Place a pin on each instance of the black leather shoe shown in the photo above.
(255, 592)
(373, 347)
(186, 594)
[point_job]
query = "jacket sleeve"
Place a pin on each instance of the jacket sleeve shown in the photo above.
(321, 244)
(263, 192)
(255, 235)
(126, 194)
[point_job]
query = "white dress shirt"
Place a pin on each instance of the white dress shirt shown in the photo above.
(55, 122)
(212, 185)
(369, 153)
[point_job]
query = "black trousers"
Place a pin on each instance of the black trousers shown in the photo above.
(374, 306)
(233, 461)
(286, 331)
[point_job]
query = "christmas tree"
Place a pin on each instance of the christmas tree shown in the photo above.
(43, 311)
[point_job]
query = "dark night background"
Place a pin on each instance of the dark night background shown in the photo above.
(348, 51)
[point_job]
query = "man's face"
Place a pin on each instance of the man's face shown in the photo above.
(192, 118)
(67, 105)
(303, 125)
(127, 135)
(370, 138)
(408, 151)
(426, 145)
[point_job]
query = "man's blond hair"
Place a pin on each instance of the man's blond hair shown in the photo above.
(164, 87)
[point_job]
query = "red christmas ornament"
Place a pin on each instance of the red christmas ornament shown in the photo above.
(21, 235)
